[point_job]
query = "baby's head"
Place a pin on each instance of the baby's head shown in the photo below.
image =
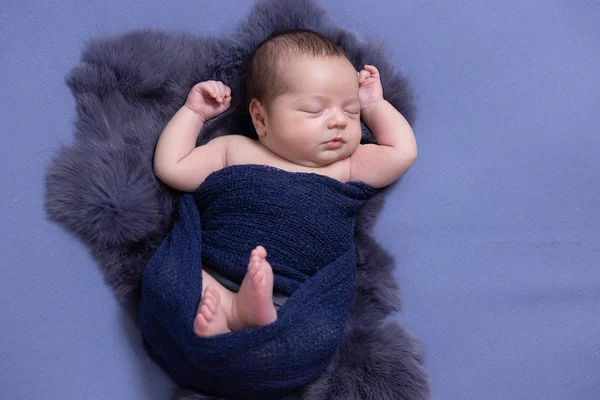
(303, 98)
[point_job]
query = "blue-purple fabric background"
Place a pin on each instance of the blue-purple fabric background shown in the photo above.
(496, 229)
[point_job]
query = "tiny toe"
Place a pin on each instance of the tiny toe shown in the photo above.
(262, 252)
(255, 255)
(211, 304)
(207, 313)
(200, 324)
(257, 269)
(266, 264)
(206, 298)
(257, 278)
(254, 268)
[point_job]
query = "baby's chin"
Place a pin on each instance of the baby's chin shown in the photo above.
(323, 159)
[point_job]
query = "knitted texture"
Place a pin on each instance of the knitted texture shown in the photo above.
(306, 221)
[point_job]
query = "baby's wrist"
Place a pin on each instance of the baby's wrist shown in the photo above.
(200, 116)
(371, 104)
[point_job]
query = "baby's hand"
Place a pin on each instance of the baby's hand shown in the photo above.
(369, 86)
(209, 99)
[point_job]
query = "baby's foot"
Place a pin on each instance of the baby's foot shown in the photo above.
(253, 305)
(210, 319)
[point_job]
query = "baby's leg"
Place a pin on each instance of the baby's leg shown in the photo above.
(212, 316)
(253, 305)
(222, 310)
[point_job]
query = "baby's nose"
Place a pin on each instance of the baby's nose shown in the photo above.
(338, 119)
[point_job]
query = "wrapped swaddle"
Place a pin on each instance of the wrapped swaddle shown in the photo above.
(306, 222)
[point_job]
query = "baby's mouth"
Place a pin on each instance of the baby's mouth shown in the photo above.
(335, 143)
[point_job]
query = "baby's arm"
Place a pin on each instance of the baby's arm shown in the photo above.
(381, 164)
(177, 161)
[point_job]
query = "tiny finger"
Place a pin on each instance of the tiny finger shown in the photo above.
(215, 91)
(221, 91)
(211, 91)
(372, 69)
(200, 87)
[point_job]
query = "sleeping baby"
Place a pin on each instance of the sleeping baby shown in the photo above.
(306, 102)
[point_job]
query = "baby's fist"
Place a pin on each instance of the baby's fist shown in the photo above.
(209, 99)
(369, 86)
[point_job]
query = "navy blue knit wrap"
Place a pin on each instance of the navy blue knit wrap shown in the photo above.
(306, 223)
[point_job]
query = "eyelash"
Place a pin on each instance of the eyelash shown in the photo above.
(319, 112)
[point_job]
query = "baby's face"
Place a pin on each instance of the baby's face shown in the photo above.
(317, 121)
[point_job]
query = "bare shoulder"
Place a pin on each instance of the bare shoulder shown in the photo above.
(243, 150)
(232, 146)
(232, 140)
(239, 140)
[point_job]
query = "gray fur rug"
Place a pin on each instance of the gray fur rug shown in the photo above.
(103, 189)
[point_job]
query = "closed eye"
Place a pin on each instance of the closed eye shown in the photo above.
(313, 112)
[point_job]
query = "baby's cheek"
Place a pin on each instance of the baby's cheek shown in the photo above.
(302, 141)
(302, 134)
(357, 131)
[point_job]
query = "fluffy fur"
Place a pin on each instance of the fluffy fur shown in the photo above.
(103, 189)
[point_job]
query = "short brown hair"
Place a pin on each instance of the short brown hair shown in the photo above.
(263, 80)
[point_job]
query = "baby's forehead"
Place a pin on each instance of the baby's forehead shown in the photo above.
(286, 61)
(297, 69)
(317, 96)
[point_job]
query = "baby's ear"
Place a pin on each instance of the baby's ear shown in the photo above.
(257, 112)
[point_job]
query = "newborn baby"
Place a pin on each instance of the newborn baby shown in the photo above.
(306, 104)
